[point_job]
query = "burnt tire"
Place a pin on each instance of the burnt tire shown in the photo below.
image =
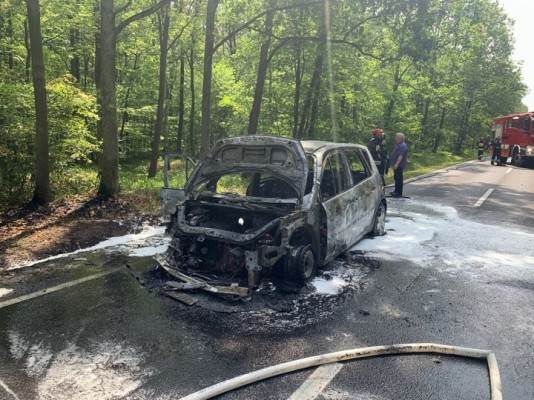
(517, 159)
(379, 225)
(301, 266)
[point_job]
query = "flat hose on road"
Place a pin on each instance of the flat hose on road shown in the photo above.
(345, 355)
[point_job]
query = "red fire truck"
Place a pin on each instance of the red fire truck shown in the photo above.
(516, 132)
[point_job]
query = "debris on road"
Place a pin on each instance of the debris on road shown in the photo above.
(182, 297)
(191, 283)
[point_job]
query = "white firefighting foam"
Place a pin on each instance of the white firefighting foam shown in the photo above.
(436, 235)
(150, 241)
(106, 370)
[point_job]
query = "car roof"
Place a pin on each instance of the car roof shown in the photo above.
(315, 146)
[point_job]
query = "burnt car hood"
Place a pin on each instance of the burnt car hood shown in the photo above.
(282, 157)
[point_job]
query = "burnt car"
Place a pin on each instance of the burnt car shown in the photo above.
(261, 206)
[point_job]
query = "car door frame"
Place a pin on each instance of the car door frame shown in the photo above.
(366, 194)
(170, 196)
(336, 219)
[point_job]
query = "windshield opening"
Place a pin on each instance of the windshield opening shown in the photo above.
(249, 184)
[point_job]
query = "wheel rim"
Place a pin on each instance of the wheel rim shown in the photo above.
(381, 220)
(308, 264)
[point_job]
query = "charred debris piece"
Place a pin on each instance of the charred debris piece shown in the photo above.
(262, 206)
(188, 283)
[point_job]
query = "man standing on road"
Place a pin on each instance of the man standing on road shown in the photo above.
(376, 147)
(399, 158)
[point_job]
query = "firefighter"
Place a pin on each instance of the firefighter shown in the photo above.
(496, 151)
(377, 149)
(481, 147)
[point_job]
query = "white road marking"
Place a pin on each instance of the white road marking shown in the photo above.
(316, 382)
(56, 288)
(484, 197)
(508, 170)
(8, 390)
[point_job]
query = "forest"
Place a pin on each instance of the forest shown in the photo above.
(94, 92)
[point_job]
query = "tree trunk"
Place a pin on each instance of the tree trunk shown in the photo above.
(439, 134)
(462, 132)
(42, 179)
(162, 91)
(168, 101)
(27, 64)
(392, 100)
(10, 59)
(97, 68)
(310, 105)
(85, 70)
(298, 84)
(192, 88)
(208, 70)
(181, 105)
(74, 39)
(424, 122)
(310, 102)
(106, 78)
(124, 117)
(261, 73)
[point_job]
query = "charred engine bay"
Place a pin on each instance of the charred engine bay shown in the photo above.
(239, 217)
(221, 239)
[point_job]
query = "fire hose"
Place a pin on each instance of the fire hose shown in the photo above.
(353, 354)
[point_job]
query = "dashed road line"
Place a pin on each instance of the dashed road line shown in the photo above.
(312, 387)
(52, 289)
(508, 170)
(8, 390)
(484, 197)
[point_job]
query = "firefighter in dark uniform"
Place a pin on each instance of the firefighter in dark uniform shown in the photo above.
(377, 149)
(481, 147)
(496, 151)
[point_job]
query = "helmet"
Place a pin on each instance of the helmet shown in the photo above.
(377, 132)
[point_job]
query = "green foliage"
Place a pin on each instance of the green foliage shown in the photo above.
(16, 144)
(72, 123)
(72, 140)
(438, 70)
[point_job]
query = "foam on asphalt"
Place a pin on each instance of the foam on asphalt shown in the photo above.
(425, 233)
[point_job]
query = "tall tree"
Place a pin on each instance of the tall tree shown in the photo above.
(181, 104)
(309, 110)
(209, 41)
(192, 90)
(42, 176)
(163, 24)
(261, 71)
(106, 52)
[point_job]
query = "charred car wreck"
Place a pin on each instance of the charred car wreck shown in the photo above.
(261, 206)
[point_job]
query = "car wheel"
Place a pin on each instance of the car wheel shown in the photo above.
(302, 266)
(379, 227)
(517, 159)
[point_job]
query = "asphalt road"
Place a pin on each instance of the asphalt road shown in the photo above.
(447, 272)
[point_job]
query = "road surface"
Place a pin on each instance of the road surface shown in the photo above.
(456, 267)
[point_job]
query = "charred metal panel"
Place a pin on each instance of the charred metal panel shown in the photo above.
(169, 199)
